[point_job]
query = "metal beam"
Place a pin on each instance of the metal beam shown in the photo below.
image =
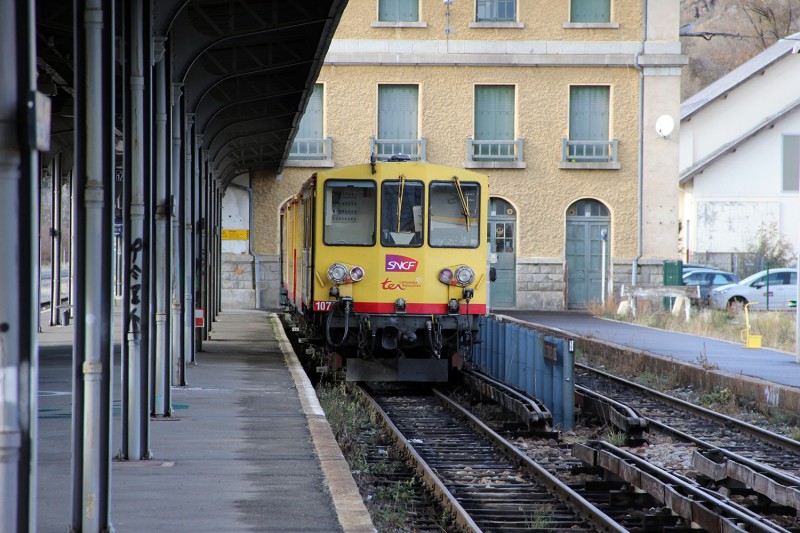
(93, 346)
(136, 246)
(162, 371)
(175, 261)
(187, 258)
(55, 241)
(19, 269)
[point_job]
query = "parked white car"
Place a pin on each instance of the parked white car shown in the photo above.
(779, 287)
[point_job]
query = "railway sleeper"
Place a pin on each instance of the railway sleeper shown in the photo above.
(710, 511)
(724, 472)
(477, 493)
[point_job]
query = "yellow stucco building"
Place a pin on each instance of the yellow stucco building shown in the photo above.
(558, 102)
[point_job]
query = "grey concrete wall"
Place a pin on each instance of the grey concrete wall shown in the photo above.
(269, 281)
(541, 282)
(238, 286)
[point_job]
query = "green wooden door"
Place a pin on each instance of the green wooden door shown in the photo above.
(586, 222)
(502, 250)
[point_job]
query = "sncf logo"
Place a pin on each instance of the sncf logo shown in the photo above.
(400, 263)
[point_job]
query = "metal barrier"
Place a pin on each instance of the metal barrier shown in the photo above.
(538, 364)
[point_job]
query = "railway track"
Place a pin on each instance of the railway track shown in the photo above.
(540, 483)
(395, 482)
(490, 484)
(755, 466)
(692, 423)
(484, 488)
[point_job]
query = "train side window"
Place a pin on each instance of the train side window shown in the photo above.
(349, 217)
(454, 214)
(401, 212)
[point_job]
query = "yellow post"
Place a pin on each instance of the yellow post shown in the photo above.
(750, 341)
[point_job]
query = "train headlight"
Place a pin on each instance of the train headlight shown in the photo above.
(464, 275)
(356, 273)
(446, 276)
(337, 273)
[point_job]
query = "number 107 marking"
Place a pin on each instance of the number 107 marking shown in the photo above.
(322, 306)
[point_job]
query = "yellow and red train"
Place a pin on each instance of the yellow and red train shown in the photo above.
(385, 265)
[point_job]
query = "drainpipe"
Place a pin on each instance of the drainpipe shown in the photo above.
(250, 242)
(640, 167)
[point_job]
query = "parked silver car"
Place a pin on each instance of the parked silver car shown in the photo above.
(707, 279)
(778, 285)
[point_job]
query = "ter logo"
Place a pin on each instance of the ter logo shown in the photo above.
(400, 263)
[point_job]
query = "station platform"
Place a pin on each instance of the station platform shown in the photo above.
(248, 447)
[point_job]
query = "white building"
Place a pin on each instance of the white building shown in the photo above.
(740, 157)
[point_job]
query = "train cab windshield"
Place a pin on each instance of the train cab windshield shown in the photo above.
(401, 212)
(454, 214)
(349, 213)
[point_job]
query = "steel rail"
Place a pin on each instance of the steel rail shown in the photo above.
(719, 513)
(772, 481)
(619, 414)
(773, 475)
(575, 500)
(521, 404)
(462, 518)
(750, 429)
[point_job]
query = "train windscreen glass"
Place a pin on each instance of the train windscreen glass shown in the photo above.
(454, 214)
(349, 218)
(401, 213)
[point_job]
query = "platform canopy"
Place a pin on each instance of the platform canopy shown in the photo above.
(246, 69)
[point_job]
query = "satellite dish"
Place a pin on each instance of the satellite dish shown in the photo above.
(664, 125)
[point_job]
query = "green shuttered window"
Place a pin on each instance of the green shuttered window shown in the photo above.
(494, 112)
(310, 143)
(588, 121)
(398, 10)
(791, 163)
(494, 121)
(588, 113)
(590, 10)
(397, 111)
(311, 124)
(496, 10)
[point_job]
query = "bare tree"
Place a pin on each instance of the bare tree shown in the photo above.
(734, 31)
(769, 249)
(771, 20)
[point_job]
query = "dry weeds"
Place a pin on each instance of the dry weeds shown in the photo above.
(777, 328)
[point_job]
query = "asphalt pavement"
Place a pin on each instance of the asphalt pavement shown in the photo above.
(768, 364)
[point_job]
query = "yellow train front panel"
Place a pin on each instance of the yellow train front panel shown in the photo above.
(407, 238)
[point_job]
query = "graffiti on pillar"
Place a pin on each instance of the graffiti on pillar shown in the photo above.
(136, 286)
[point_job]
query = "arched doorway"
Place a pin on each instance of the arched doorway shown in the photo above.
(587, 222)
(502, 249)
